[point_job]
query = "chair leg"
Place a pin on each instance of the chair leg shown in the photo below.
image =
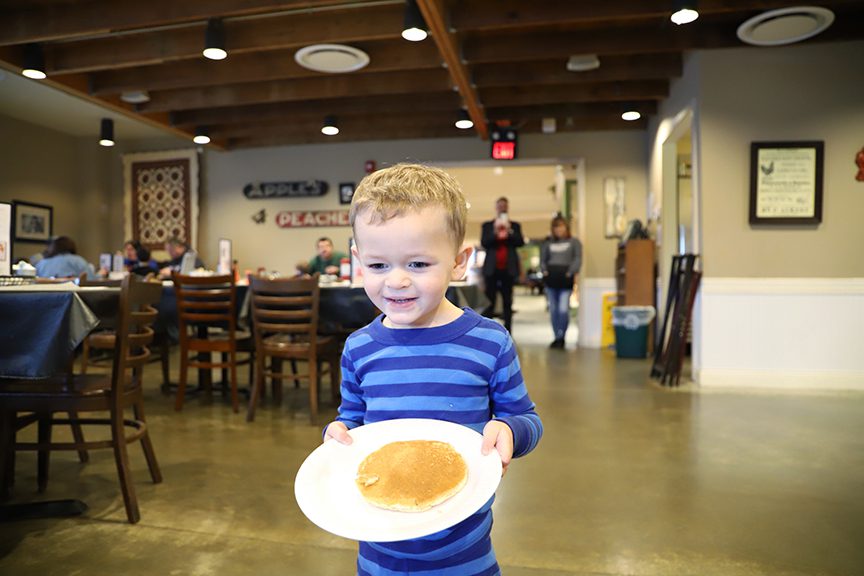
(121, 459)
(78, 436)
(147, 445)
(44, 458)
(233, 368)
(225, 357)
(256, 388)
(181, 385)
(294, 371)
(7, 454)
(85, 355)
(276, 366)
(164, 351)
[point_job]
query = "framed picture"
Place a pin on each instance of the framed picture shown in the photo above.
(786, 182)
(614, 210)
(32, 222)
(346, 192)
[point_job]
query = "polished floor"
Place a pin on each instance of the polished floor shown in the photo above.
(630, 479)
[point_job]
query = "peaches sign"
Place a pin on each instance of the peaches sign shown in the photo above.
(311, 218)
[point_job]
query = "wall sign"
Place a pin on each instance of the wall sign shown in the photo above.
(786, 182)
(311, 218)
(346, 192)
(304, 189)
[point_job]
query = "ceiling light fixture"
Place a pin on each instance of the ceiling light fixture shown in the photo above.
(414, 29)
(785, 25)
(135, 96)
(34, 62)
(464, 121)
(685, 12)
(330, 128)
(331, 58)
(631, 115)
(106, 132)
(202, 136)
(583, 62)
(214, 40)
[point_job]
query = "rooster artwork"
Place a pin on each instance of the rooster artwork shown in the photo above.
(859, 160)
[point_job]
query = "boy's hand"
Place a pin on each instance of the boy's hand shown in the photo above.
(339, 432)
(498, 435)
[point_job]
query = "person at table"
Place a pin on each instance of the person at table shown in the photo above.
(327, 260)
(501, 237)
(424, 357)
(136, 259)
(177, 249)
(60, 259)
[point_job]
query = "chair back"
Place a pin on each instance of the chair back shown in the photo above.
(206, 300)
(135, 320)
(285, 306)
(101, 282)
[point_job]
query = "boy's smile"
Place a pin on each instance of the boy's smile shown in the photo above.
(408, 263)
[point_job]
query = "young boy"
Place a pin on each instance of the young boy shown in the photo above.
(426, 358)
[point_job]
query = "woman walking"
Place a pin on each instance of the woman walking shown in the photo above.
(560, 260)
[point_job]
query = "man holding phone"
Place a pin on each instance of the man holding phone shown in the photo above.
(500, 237)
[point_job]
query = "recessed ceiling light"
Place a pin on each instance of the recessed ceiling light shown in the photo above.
(331, 58)
(135, 96)
(631, 115)
(785, 25)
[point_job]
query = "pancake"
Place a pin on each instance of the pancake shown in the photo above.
(412, 475)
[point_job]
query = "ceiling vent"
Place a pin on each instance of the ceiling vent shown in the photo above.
(583, 62)
(785, 26)
(331, 58)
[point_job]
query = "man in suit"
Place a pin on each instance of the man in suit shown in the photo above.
(500, 237)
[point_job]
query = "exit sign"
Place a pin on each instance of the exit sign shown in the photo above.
(504, 142)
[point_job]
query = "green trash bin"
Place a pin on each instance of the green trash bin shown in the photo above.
(631, 330)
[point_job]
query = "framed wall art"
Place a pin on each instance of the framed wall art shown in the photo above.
(786, 182)
(32, 222)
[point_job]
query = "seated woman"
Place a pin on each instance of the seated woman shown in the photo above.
(137, 259)
(60, 260)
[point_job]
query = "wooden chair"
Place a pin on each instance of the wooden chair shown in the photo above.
(207, 318)
(101, 338)
(285, 322)
(22, 402)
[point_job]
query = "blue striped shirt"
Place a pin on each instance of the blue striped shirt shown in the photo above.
(465, 372)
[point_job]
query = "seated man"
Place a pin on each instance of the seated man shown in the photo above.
(177, 248)
(326, 261)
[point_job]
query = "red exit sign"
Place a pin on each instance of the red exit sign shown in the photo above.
(504, 140)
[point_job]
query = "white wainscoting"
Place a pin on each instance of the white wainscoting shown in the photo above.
(591, 309)
(796, 333)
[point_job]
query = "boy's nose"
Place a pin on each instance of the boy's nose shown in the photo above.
(397, 279)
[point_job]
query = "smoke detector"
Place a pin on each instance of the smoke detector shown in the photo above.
(583, 62)
(785, 25)
(331, 58)
(135, 96)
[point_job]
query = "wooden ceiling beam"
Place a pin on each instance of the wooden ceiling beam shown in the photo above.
(612, 68)
(599, 92)
(279, 32)
(449, 47)
(572, 110)
(76, 19)
(354, 106)
(384, 56)
(583, 123)
(375, 133)
(412, 84)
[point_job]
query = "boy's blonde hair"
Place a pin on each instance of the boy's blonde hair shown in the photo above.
(393, 191)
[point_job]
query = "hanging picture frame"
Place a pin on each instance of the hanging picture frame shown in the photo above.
(32, 222)
(614, 213)
(786, 182)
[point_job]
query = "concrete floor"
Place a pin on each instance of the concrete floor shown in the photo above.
(629, 479)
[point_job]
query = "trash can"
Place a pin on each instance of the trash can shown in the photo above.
(631, 330)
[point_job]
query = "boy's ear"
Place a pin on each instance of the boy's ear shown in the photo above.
(354, 250)
(461, 265)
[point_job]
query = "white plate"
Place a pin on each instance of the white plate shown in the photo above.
(327, 495)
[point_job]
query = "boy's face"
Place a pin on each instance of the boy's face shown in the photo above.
(408, 262)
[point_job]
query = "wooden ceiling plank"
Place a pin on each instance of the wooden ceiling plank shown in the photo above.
(254, 67)
(77, 19)
(411, 84)
(279, 32)
(573, 110)
(433, 12)
(599, 92)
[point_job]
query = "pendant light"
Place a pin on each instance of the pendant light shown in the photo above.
(684, 12)
(414, 29)
(464, 121)
(106, 132)
(631, 115)
(330, 128)
(214, 40)
(202, 136)
(34, 62)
